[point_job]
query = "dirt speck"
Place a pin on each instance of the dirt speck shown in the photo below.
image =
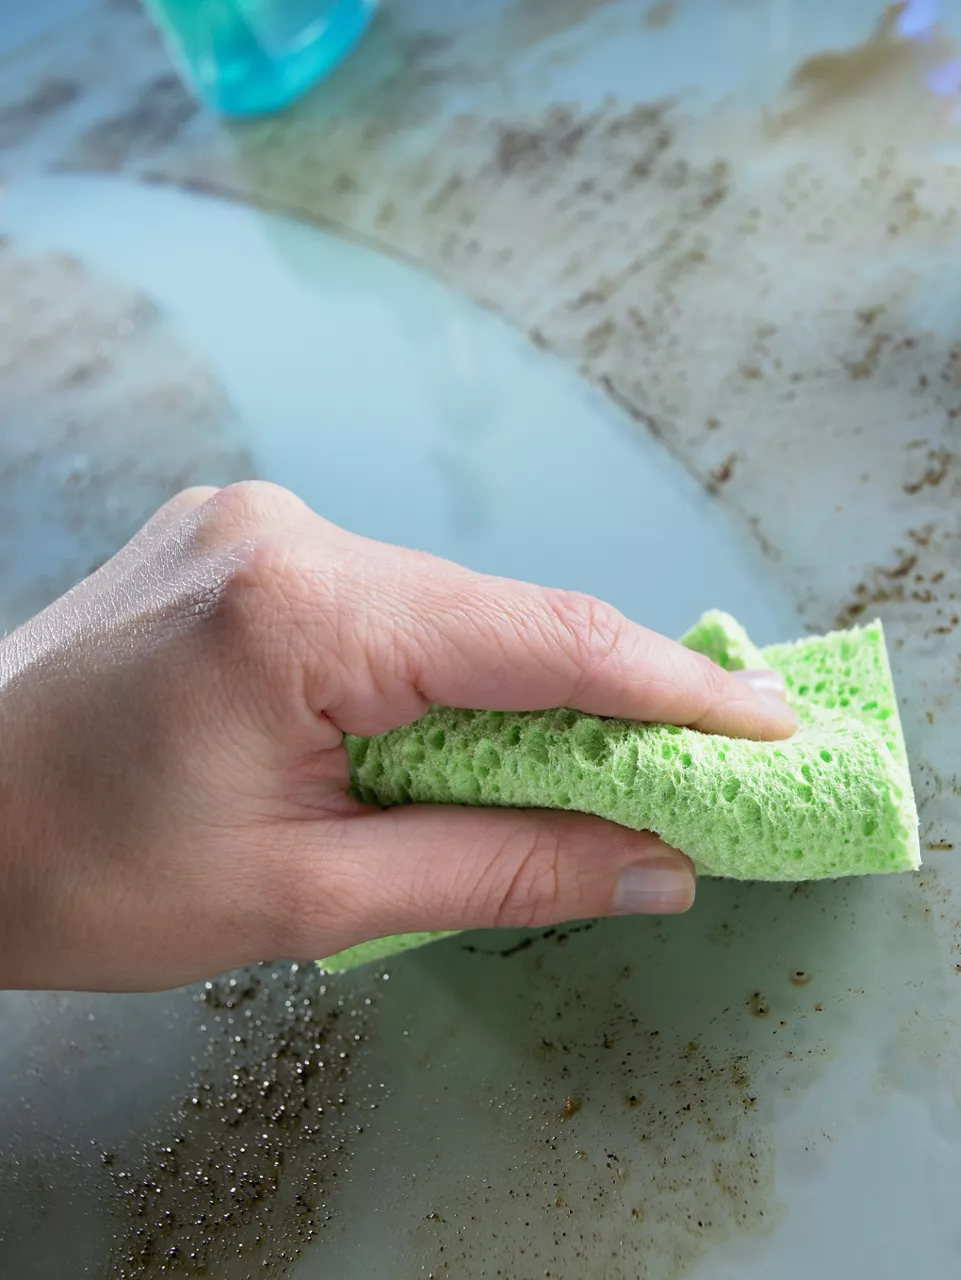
(881, 586)
(650, 1205)
(153, 120)
(867, 364)
(557, 138)
(936, 465)
(867, 315)
(723, 472)
(18, 120)
(660, 15)
(759, 1005)
(243, 1168)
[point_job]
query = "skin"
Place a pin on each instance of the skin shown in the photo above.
(172, 774)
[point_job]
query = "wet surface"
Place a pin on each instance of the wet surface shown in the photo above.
(238, 1165)
(241, 1174)
(622, 1095)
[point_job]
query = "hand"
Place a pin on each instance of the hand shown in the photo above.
(173, 783)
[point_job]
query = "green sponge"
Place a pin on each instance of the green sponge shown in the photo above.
(834, 800)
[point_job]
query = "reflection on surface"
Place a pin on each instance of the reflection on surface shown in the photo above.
(561, 492)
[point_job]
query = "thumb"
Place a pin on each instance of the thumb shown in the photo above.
(432, 867)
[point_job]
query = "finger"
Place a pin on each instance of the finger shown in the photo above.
(432, 867)
(467, 640)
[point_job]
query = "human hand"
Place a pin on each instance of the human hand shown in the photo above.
(173, 783)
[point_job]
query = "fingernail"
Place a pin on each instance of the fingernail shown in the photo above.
(765, 683)
(660, 886)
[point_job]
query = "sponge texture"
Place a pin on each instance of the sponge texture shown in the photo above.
(834, 800)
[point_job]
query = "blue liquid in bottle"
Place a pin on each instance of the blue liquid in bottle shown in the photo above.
(251, 57)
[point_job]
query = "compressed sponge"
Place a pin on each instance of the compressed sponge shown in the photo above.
(834, 800)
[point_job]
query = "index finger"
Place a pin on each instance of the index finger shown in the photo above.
(468, 640)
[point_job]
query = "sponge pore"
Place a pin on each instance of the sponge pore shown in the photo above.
(834, 800)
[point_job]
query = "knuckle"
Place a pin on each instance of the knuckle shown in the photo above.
(184, 501)
(192, 496)
(589, 629)
(255, 578)
(253, 601)
(713, 682)
(279, 616)
(248, 505)
(283, 615)
(526, 888)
